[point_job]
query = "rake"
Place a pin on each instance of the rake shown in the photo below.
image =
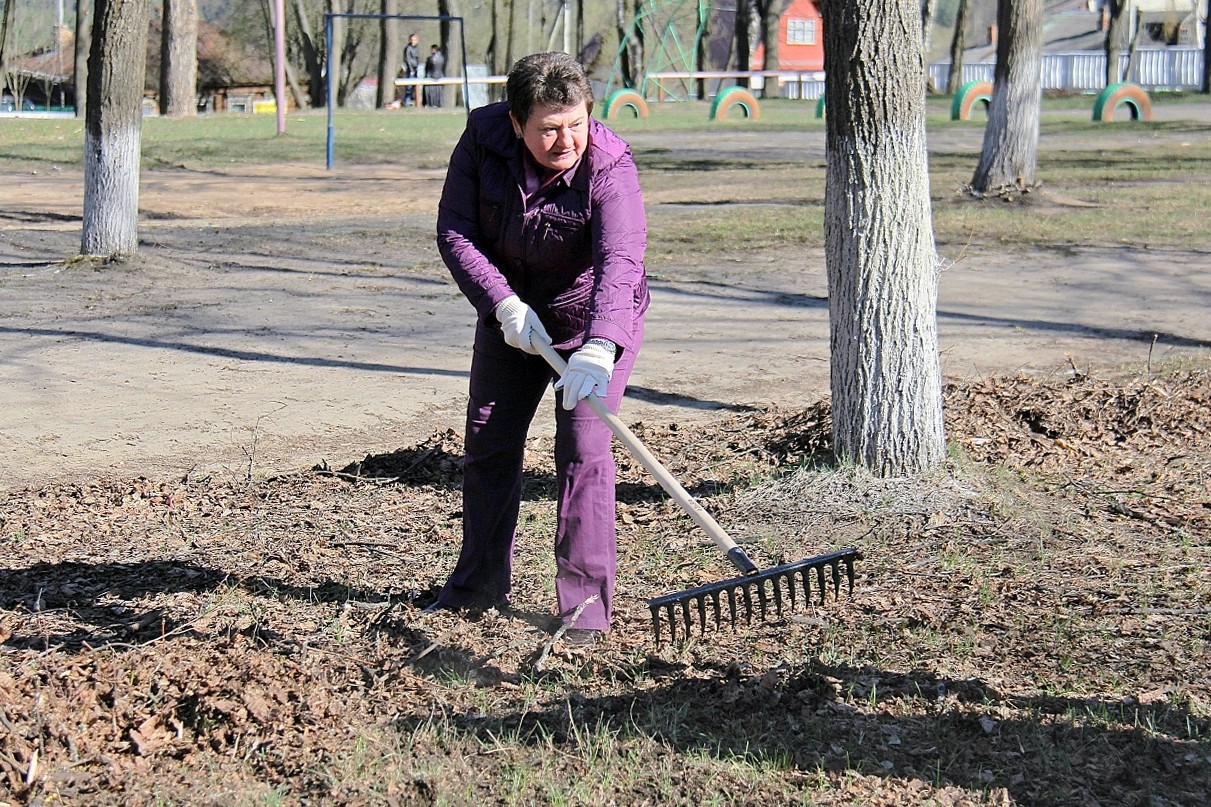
(756, 592)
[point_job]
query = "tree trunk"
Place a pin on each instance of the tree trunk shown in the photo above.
(700, 47)
(1009, 156)
(886, 379)
(511, 26)
(770, 15)
(630, 35)
(113, 128)
(1207, 52)
(1115, 39)
(6, 28)
(637, 45)
(390, 54)
(958, 44)
(311, 57)
(451, 45)
(84, 21)
(179, 59)
(744, 48)
(1133, 67)
(929, 9)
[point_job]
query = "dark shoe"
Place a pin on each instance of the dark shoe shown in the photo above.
(582, 637)
(473, 611)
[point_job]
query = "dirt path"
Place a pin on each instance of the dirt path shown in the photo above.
(270, 324)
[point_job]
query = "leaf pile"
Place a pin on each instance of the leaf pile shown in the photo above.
(1029, 626)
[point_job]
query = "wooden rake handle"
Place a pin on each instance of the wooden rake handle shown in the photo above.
(628, 438)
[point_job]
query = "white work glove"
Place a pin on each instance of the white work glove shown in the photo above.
(589, 371)
(519, 323)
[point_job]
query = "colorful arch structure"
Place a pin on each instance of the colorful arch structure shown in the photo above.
(1132, 96)
(820, 107)
(735, 97)
(970, 94)
(624, 99)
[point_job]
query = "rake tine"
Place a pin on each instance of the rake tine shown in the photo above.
(761, 597)
(748, 592)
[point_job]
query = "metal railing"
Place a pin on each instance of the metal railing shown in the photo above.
(1178, 68)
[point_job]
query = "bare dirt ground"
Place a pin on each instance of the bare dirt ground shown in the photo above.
(231, 483)
(276, 318)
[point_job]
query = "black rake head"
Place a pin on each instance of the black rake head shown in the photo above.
(756, 594)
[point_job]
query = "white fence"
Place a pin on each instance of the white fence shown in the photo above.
(1085, 71)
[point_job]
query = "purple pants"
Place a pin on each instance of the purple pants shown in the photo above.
(507, 387)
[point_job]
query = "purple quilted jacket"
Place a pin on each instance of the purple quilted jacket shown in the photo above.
(573, 251)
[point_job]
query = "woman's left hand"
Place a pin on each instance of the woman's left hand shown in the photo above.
(589, 370)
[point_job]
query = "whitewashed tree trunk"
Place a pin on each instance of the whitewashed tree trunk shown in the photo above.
(179, 59)
(886, 376)
(113, 127)
(1010, 153)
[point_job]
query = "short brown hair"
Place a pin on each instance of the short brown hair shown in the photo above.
(552, 79)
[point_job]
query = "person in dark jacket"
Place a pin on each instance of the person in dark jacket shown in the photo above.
(411, 68)
(435, 67)
(541, 223)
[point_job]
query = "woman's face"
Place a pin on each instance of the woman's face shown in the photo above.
(556, 137)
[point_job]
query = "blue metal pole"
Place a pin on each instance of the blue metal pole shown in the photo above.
(328, 83)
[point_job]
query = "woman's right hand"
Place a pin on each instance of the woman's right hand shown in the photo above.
(519, 323)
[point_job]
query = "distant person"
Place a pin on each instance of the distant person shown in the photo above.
(541, 223)
(411, 67)
(435, 67)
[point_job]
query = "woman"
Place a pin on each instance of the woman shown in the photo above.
(541, 223)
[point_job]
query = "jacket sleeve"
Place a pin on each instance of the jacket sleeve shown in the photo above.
(619, 242)
(458, 236)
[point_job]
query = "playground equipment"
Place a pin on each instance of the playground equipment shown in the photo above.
(658, 26)
(735, 97)
(624, 99)
(1131, 96)
(970, 94)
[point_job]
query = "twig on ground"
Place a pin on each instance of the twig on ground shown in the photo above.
(546, 649)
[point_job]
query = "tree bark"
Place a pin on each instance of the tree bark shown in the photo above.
(744, 47)
(631, 35)
(1207, 52)
(958, 44)
(179, 59)
(886, 380)
(1115, 38)
(6, 28)
(84, 21)
(929, 10)
(770, 16)
(390, 54)
(511, 26)
(113, 127)
(451, 46)
(312, 59)
(1009, 156)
